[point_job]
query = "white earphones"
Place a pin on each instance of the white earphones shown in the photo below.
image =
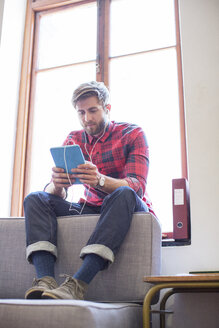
(85, 145)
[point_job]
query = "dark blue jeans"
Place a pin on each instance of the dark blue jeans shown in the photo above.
(42, 209)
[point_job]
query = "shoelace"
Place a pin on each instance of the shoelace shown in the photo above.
(70, 283)
(36, 281)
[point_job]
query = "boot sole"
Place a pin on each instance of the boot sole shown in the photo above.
(49, 296)
(34, 294)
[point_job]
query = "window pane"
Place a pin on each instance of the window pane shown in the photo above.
(54, 116)
(68, 36)
(144, 91)
(138, 25)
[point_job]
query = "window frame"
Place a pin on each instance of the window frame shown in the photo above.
(27, 82)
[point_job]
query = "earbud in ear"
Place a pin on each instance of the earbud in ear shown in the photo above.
(108, 107)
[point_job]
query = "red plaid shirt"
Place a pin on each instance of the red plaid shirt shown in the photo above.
(121, 153)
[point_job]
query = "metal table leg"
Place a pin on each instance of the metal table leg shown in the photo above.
(177, 288)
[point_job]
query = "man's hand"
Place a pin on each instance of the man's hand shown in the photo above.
(60, 180)
(87, 173)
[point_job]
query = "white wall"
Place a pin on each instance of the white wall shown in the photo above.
(200, 46)
(10, 66)
(200, 49)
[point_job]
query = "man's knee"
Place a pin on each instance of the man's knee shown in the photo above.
(30, 196)
(125, 192)
(32, 199)
(122, 196)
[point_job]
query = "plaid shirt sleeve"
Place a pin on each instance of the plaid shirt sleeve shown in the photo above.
(137, 164)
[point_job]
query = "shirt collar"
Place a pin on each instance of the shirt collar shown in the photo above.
(104, 137)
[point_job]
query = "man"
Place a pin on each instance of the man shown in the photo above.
(114, 176)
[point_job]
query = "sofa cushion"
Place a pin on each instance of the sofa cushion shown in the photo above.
(121, 282)
(68, 314)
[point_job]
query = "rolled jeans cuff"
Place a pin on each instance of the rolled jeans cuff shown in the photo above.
(40, 246)
(98, 249)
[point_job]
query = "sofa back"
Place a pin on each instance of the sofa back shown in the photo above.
(139, 255)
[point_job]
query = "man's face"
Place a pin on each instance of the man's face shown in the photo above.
(92, 115)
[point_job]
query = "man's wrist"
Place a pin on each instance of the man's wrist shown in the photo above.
(51, 189)
(101, 181)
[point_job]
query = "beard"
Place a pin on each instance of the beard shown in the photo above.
(94, 129)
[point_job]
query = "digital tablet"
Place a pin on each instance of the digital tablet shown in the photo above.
(68, 157)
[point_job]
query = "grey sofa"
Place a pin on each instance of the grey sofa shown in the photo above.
(114, 297)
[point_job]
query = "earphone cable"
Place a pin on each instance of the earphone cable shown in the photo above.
(90, 157)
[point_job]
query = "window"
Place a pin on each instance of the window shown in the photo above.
(65, 56)
(131, 45)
